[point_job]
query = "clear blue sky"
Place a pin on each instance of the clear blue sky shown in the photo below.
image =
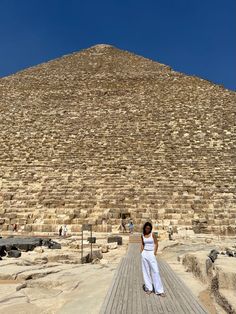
(192, 36)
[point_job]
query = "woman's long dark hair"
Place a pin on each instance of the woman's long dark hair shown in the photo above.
(147, 224)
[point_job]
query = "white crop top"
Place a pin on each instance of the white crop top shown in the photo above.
(148, 243)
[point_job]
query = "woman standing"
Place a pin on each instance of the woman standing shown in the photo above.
(150, 268)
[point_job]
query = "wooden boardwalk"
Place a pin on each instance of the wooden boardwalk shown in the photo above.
(126, 295)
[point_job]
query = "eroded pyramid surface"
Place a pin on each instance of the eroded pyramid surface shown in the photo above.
(103, 132)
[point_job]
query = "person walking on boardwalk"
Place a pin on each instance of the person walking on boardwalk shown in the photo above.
(150, 267)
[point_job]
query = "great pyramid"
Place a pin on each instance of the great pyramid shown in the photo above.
(104, 133)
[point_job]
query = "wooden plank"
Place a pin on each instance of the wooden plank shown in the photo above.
(130, 291)
(163, 301)
(175, 306)
(108, 297)
(124, 296)
(133, 283)
(177, 292)
(156, 304)
(120, 289)
(188, 300)
(166, 302)
(171, 305)
(127, 297)
(108, 302)
(188, 296)
(174, 301)
(170, 290)
(138, 304)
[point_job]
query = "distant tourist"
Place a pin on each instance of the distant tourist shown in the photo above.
(123, 225)
(60, 231)
(151, 275)
(131, 227)
(64, 230)
(15, 227)
(170, 232)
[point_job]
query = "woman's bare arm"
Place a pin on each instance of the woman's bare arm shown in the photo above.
(156, 243)
(142, 245)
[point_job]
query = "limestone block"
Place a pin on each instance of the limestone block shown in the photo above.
(104, 248)
(112, 246)
(39, 249)
(115, 239)
(76, 228)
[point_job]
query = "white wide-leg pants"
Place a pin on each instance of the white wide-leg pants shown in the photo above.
(151, 273)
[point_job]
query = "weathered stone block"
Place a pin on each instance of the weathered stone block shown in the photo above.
(116, 239)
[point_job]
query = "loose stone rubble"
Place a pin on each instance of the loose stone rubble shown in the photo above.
(55, 281)
(94, 134)
(12, 247)
(213, 263)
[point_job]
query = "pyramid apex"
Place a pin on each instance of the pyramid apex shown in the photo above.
(101, 46)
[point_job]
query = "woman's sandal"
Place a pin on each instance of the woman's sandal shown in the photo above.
(148, 292)
(161, 294)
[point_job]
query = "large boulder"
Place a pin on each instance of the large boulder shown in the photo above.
(88, 258)
(209, 264)
(91, 239)
(213, 255)
(3, 250)
(51, 244)
(39, 249)
(46, 242)
(117, 239)
(14, 253)
(41, 260)
(112, 246)
(23, 244)
(104, 248)
(96, 254)
(11, 247)
(229, 252)
(195, 262)
(54, 245)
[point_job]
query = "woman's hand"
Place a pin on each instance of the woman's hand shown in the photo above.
(156, 243)
(142, 246)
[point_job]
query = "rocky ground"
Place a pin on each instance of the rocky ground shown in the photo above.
(54, 281)
(214, 283)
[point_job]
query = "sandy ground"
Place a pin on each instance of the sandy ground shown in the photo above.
(95, 285)
(196, 286)
(58, 286)
(174, 251)
(56, 282)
